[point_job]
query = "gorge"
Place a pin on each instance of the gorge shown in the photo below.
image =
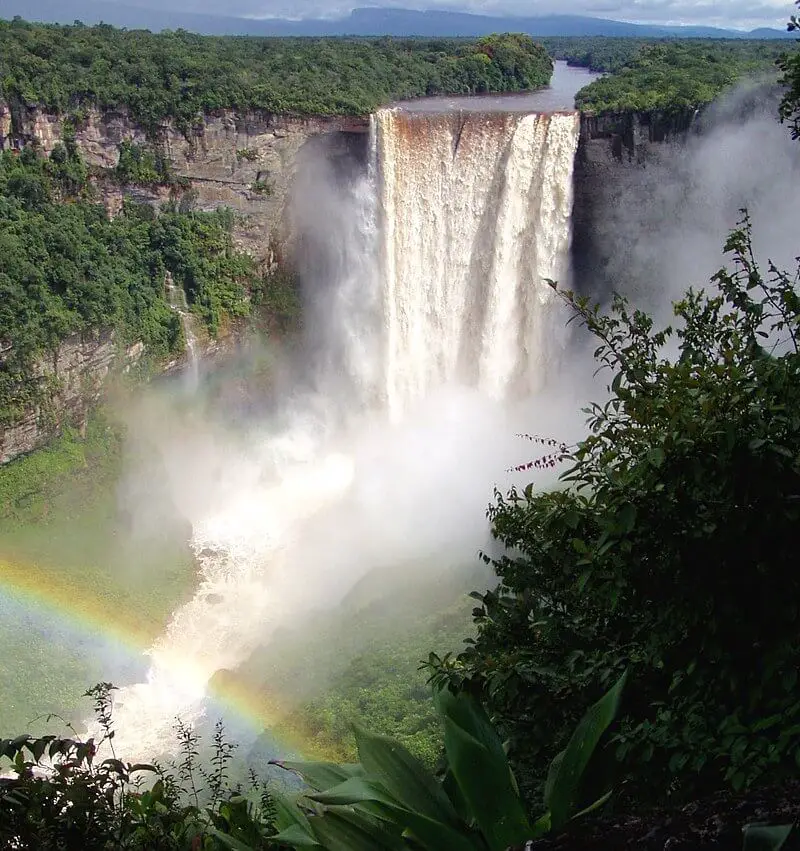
(247, 162)
(422, 242)
(430, 311)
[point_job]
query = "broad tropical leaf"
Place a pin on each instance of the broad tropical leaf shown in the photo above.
(468, 714)
(227, 841)
(288, 814)
(321, 775)
(485, 780)
(341, 829)
(404, 777)
(295, 837)
(436, 836)
(356, 790)
(562, 788)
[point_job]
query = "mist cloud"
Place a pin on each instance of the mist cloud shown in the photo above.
(664, 225)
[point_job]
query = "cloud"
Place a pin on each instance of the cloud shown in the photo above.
(737, 14)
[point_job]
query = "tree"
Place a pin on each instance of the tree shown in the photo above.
(790, 65)
(670, 550)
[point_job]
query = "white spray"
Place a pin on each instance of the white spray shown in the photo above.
(435, 316)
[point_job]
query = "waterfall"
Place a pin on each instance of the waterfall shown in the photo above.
(177, 301)
(476, 213)
(434, 263)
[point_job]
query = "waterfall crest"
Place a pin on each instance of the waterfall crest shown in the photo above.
(476, 215)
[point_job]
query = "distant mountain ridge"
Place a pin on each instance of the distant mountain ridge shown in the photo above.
(360, 22)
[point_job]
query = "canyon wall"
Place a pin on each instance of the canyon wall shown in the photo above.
(245, 162)
(614, 152)
(248, 162)
(75, 373)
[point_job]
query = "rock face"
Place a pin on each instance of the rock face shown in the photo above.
(613, 153)
(245, 162)
(77, 372)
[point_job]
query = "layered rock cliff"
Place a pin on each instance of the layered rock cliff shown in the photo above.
(244, 162)
(613, 153)
(75, 373)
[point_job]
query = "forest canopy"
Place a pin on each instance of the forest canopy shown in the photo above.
(664, 75)
(179, 75)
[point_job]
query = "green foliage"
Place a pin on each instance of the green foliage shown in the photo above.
(262, 186)
(198, 251)
(61, 529)
(790, 65)
(359, 664)
(180, 76)
(68, 269)
(142, 165)
(669, 550)
(597, 53)
(60, 794)
(277, 296)
(666, 75)
(381, 689)
(389, 800)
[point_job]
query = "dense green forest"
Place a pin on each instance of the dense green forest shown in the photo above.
(360, 662)
(178, 75)
(666, 74)
(601, 54)
(68, 268)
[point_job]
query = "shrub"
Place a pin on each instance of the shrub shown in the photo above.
(670, 550)
(60, 794)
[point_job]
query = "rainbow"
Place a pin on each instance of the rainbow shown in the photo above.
(62, 602)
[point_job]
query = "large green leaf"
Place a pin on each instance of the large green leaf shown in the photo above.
(372, 797)
(486, 783)
(552, 774)
(435, 836)
(356, 790)
(295, 837)
(471, 717)
(341, 829)
(321, 775)
(404, 777)
(456, 796)
(563, 782)
(760, 837)
(288, 814)
(228, 841)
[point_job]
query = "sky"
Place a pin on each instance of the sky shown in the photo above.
(736, 14)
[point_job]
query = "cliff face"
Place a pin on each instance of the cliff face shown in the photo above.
(76, 372)
(613, 153)
(245, 162)
(242, 161)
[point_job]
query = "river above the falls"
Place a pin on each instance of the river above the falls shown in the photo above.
(558, 96)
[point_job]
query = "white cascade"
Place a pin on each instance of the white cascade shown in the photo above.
(476, 215)
(177, 301)
(440, 255)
